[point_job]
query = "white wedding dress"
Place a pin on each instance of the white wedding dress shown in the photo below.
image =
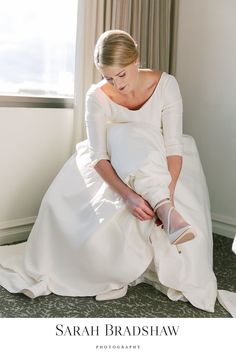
(85, 241)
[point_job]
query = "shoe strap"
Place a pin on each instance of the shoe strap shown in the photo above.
(160, 204)
(168, 219)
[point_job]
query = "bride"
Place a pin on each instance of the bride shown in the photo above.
(131, 205)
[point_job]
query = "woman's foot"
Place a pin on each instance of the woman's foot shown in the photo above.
(177, 229)
(112, 294)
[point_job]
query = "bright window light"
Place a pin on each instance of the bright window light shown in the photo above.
(37, 47)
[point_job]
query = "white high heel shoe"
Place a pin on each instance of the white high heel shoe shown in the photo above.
(112, 294)
(184, 234)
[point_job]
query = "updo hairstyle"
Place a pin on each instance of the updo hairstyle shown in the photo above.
(115, 48)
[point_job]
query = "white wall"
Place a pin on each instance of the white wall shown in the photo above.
(34, 144)
(206, 71)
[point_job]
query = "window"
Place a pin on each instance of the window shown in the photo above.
(37, 48)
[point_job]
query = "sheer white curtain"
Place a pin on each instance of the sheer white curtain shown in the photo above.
(152, 23)
(89, 26)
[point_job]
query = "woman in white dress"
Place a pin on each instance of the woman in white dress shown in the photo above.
(123, 207)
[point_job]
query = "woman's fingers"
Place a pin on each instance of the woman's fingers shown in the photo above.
(139, 207)
(142, 215)
(138, 216)
(147, 209)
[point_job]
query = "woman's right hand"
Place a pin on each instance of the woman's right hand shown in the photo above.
(139, 207)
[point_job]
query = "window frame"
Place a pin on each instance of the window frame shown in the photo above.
(36, 101)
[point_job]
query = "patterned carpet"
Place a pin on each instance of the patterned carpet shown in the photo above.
(141, 300)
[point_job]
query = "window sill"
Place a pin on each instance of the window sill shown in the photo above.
(36, 102)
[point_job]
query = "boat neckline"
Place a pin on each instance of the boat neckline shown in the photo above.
(143, 105)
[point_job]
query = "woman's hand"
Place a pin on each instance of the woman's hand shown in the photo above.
(135, 203)
(139, 207)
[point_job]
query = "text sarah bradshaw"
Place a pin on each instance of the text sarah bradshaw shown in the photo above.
(112, 330)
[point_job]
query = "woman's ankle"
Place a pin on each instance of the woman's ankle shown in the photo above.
(160, 203)
(171, 219)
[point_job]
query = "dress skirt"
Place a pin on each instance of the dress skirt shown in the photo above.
(85, 241)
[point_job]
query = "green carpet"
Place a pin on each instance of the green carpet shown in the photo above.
(141, 301)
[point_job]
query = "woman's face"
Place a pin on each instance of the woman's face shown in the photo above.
(124, 79)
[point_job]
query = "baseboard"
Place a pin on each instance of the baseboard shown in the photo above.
(223, 225)
(16, 230)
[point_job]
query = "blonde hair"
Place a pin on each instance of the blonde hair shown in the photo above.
(115, 48)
